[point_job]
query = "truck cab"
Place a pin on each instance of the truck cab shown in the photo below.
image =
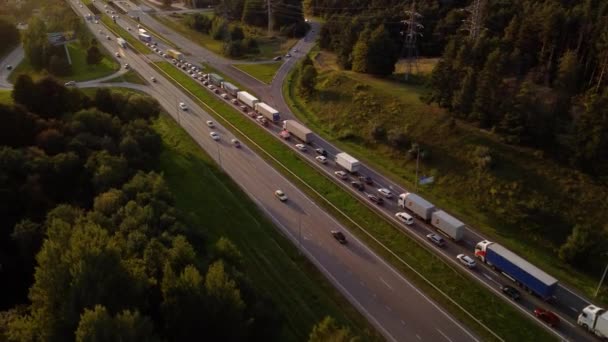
(594, 319)
(480, 250)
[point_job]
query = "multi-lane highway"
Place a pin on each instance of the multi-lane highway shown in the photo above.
(389, 301)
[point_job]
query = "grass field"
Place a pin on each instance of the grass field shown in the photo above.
(453, 282)
(131, 77)
(349, 105)
(271, 261)
(264, 72)
(5, 97)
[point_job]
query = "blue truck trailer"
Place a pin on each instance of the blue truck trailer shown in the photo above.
(523, 273)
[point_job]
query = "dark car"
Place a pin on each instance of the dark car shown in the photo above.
(321, 152)
(9, 67)
(547, 316)
(358, 185)
(339, 236)
(366, 179)
(375, 199)
(510, 292)
(436, 239)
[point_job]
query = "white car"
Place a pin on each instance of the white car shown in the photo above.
(385, 192)
(405, 218)
(321, 159)
(224, 96)
(70, 84)
(236, 143)
(341, 174)
(280, 195)
(466, 260)
(210, 123)
(214, 136)
(183, 106)
(301, 147)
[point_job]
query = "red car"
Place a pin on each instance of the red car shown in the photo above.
(547, 316)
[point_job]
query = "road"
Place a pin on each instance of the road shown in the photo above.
(388, 300)
(13, 59)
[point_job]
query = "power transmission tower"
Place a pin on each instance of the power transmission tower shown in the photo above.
(474, 23)
(409, 44)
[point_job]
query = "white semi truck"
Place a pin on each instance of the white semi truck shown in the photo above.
(594, 319)
(267, 111)
(416, 204)
(247, 98)
(298, 130)
(349, 163)
(121, 42)
(447, 224)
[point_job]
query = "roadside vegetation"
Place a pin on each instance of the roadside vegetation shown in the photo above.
(130, 77)
(453, 282)
(262, 71)
(9, 35)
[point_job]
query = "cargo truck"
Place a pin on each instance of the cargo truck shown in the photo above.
(447, 224)
(594, 319)
(347, 162)
(216, 79)
(175, 54)
(121, 42)
(298, 130)
(524, 274)
(417, 205)
(144, 37)
(268, 112)
(141, 30)
(230, 88)
(247, 98)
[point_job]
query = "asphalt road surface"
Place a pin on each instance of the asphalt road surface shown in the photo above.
(389, 301)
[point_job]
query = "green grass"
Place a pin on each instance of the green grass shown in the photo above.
(505, 320)
(302, 295)
(5, 97)
(264, 72)
(130, 76)
(336, 115)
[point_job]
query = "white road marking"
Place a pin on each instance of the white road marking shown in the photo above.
(403, 322)
(444, 335)
(385, 283)
(420, 338)
(388, 308)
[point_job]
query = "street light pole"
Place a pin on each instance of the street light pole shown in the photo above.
(601, 280)
(417, 163)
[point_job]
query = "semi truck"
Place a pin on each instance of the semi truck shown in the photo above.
(230, 88)
(268, 112)
(298, 130)
(520, 271)
(141, 30)
(416, 204)
(247, 98)
(216, 79)
(594, 319)
(347, 162)
(144, 37)
(121, 42)
(175, 54)
(447, 224)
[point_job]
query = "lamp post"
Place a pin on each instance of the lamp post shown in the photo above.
(599, 286)
(417, 163)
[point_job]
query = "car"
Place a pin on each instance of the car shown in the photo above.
(236, 143)
(262, 120)
(174, 61)
(70, 83)
(127, 66)
(211, 87)
(547, 316)
(216, 91)
(96, 21)
(210, 123)
(165, 55)
(153, 79)
(295, 50)
(244, 108)
(341, 174)
(205, 83)
(358, 185)
(280, 195)
(321, 152)
(128, 29)
(321, 159)
(436, 239)
(510, 292)
(235, 101)
(385, 192)
(466, 260)
(277, 58)
(405, 218)
(108, 38)
(9, 67)
(224, 96)
(375, 199)
(215, 136)
(338, 235)
(287, 55)
(366, 179)
(301, 147)
(117, 54)
(183, 106)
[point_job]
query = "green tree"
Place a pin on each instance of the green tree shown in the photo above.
(361, 51)
(462, 102)
(307, 80)
(568, 73)
(24, 91)
(35, 43)
(328, 330)
(486, 102)
(107, 171)
(224, 304)
(254, 13)
(226, 250)
(9, 35)
(97, 325)
(376, 55)
(94, 56)
(236, 33)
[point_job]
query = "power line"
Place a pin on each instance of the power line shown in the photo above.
(474, 23)
(411, 35)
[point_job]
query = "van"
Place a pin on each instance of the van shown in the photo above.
(405, 218)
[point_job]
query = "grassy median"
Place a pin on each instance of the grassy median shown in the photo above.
(264, 72)
(506, 321)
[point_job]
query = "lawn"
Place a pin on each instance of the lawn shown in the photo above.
(5, 97)
(341, 114)
(130, 76)
(262, 71)
(272, 263)
(411, 258)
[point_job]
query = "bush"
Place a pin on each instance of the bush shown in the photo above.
(233, 48)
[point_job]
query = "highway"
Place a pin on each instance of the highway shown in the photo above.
(398, 310)
(566, 302)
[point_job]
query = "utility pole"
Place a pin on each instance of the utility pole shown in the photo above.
(599, 286)
(409, 44)
(268, 3)
(417, 163)
(474, 23)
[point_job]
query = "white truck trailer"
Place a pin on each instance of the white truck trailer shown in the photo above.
(416, 204)
(121, 42)
(447, 224)
(175, 54)
(346, 161)
(247, 98)
(594, 319)
(267, 111)
(298, 130)
(144, 37)
(230, 88)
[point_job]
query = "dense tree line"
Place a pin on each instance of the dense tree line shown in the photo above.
(9, 36)
(92, 230)
(286, 15)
